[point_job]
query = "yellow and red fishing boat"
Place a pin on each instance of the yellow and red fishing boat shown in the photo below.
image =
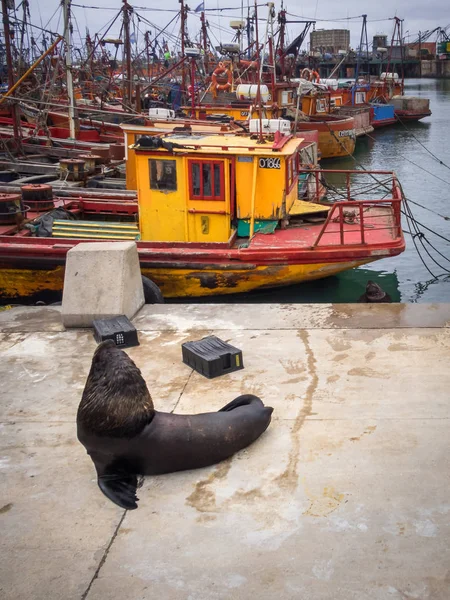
(215, 214)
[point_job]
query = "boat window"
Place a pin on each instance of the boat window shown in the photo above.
(291, 171)
(217, 180)
(206, 180)
(163, 175)
(196, 179)
(206, 169)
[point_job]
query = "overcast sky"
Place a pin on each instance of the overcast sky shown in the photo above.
(329, 14)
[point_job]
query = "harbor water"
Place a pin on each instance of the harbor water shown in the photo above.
(405, 149)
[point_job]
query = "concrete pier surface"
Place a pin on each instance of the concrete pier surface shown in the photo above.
(345, 497)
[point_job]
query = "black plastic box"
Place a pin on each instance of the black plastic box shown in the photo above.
(212, 357)
(119, 329)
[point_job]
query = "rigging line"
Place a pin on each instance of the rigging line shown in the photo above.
(418, 222)
(144, 8)
(224, 29)
(373, 177)
(431, 230)
(417, 250)
(100, 38)
(229, 8)
(219, 28)
(335, 20)
(419, 234)
(159, 29)
(421, 237)
(423, 145)
(428, 209)
(426, 170)
(430, 173)
(35, 26)
(436, 250)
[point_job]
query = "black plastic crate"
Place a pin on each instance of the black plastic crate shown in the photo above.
(212, 357)
(119, 329)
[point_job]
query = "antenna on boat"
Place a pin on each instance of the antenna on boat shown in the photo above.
(9, 63)
(69, 78)
(258, 93)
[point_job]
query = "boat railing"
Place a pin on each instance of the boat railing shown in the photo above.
(350, 213)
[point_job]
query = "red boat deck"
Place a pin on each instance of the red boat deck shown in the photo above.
(378, 228)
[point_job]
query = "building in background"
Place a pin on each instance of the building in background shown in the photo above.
(329, 40)
(422, 50)
(379, 41)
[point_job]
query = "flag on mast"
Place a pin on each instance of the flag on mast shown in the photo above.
(200, 7)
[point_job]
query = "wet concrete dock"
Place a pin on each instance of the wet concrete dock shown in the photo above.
(346, 496)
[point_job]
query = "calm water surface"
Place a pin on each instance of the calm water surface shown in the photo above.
(404, 277)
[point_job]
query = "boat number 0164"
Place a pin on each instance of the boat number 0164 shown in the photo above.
(269, 163)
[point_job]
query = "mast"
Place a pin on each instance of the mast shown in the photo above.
(26, 10)
(396, 37)
(249, 32)
(420, 54)
(183, 14)
(90, 52)
(282, 22)
(359, 58)
(193, 86)
(272, 70)
(128, 83)
(9, 62)
(147, 51)
(205, 41)
(69, 78)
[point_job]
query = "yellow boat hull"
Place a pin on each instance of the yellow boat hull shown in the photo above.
(183, 283)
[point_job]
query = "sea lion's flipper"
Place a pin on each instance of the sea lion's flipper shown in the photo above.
(120, 488)
(242, 401)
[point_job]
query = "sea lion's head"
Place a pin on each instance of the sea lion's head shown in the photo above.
(374, 292)
(116, 401)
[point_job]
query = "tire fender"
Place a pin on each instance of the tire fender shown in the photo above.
(152, 293)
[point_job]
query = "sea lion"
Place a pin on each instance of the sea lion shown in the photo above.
(126, 437)
(374, 293)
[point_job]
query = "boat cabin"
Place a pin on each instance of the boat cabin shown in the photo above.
(210, 188)
(133, 132)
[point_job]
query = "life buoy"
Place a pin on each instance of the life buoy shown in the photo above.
(220, 70)
(305, 74)
(310, 75)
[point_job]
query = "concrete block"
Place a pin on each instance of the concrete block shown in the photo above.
(102, 280)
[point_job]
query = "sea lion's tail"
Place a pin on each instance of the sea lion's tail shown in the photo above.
(255, 416)
(244, 400)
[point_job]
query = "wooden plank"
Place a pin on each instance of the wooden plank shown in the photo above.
(51, 151)
(302, 207)
(27, 167)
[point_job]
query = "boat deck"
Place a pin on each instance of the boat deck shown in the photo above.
(379, 228)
